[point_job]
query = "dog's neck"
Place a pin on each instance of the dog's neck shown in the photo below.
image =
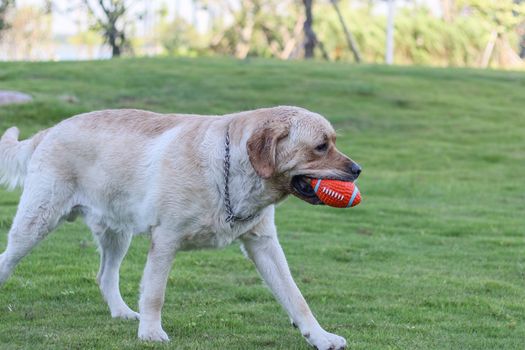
(244, 193)
(230, 214)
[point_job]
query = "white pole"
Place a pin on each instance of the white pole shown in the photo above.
(389, 54)
(194, 13)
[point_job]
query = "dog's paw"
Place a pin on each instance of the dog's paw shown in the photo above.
(125, 314)
(322, 340)
(153, 334)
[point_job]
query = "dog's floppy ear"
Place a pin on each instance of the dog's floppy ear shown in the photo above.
(262, 148)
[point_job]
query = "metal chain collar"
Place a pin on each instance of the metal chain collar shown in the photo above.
(229, 212)
(230, 216)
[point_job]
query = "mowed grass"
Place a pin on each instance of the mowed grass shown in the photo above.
(433, 258)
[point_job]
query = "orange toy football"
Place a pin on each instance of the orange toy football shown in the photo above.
(339, 194)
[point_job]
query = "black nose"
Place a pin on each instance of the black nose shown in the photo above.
(355, 169)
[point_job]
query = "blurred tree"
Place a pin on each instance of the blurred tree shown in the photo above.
(368, 31)
(179, 37)
(310, 38)
(260, 28)
(311, 41)
(521, 34)
(284, 28)
(111, 20)
(423, 38)
(246, 20)
(86, 42)
(348, 35)
(501, 18)
(5, 6)
(29, 34)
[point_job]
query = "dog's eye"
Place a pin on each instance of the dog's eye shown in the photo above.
(322, 147)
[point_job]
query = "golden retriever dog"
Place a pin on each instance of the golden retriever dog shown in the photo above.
(189, 181)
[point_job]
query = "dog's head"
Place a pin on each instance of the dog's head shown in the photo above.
(293, 145)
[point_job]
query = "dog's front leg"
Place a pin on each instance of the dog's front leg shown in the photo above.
(266, 252)
(153, 285)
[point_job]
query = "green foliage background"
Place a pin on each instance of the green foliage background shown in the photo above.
(421, 36)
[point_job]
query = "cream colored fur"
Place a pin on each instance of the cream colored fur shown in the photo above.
(127, 172)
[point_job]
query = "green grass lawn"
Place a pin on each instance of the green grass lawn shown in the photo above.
(433, 258)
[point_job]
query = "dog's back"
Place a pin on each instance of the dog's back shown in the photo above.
(85, 138)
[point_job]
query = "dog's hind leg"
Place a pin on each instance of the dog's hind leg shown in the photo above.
(42, 206)
(113, 247)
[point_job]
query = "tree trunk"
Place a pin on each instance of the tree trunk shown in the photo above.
(522, 47)
(292, 42)
(310, 38)
(5, 6)
(487, 54)
(521, 33)
(250, 11)
(323, 50)
(243, 46)
(115, 51)
(349, 37)
(107, 14)
(112, 38)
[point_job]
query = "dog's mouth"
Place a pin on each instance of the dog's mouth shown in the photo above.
(302, 189)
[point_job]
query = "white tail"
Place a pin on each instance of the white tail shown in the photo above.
(14, 158)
